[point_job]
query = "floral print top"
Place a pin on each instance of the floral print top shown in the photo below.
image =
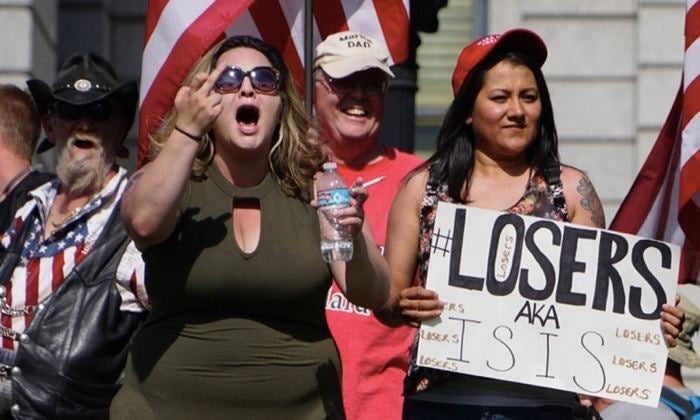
(542, 198)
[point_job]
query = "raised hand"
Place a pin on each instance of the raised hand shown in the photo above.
(198, 105)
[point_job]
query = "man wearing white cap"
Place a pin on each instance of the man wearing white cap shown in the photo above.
(351, 79)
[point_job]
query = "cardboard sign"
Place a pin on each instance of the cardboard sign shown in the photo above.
(548, 303)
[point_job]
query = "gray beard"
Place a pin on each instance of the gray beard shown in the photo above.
(83, 176)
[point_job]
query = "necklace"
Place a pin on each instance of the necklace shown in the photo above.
(65, 219)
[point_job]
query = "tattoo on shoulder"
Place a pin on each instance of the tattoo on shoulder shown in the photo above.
(590, 201)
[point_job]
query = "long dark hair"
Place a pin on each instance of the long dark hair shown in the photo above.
(453, 160)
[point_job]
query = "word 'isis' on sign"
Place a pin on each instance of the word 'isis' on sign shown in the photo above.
(548, 304)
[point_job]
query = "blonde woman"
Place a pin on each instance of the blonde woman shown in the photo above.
(231, 244)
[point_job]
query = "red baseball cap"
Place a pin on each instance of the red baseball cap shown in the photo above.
(515, 39)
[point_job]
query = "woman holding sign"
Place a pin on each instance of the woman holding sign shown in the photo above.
(496, 149)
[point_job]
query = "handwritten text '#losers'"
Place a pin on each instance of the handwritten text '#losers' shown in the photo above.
(612, 248)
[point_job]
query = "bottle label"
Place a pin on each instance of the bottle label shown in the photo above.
(334, 197)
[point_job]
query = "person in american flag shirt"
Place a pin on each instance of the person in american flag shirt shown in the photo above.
(71, 291)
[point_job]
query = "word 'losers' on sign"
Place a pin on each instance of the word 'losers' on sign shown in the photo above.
(550, 304)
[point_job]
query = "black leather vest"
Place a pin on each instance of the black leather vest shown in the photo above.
(71, 356)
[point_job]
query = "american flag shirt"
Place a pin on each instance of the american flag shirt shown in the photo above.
(45, 263)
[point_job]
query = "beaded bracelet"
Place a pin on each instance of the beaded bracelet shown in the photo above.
(185, 133)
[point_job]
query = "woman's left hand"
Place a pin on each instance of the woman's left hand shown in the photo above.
(352, 216)
(672, 318)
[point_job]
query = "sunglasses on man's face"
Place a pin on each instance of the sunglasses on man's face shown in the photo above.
(264, 79)
(372, 83)
(98, 111)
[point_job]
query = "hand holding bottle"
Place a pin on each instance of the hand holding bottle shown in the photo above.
(340, 213)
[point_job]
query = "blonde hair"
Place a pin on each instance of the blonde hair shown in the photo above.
(293, 158)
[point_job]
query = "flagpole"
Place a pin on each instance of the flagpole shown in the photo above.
(309, 55)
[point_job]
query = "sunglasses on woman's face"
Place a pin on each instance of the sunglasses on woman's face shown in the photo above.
(264, 79)
(372, 83)
(97, 111)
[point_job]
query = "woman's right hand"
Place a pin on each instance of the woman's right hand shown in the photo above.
(417, 304)
(151, 207)
(198, 104)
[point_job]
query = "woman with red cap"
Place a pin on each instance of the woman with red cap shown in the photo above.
(496, 149)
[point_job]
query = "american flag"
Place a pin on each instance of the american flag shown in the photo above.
(44, 264)
(178, 32)
(664, 202)
(41, 276)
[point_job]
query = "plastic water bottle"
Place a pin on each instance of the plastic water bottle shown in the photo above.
(332, 194)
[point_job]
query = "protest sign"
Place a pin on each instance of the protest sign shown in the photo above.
(547, 303)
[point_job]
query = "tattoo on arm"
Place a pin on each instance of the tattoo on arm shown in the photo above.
(590, 201)
(133, 180)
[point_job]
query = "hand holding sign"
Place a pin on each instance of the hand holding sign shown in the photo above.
(418, 304)
(549, 304)
(671, 322)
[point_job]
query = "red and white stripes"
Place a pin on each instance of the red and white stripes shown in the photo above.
(45, 264)
(689, 194)
(178, 32)
(664, 201)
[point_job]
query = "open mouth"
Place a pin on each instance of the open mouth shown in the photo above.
(83, 143)
(248, 115)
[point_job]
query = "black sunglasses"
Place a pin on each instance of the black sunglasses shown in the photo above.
(264, 79)
(372, 83)
(97, 111)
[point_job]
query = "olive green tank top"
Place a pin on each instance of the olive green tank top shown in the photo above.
(235, 334)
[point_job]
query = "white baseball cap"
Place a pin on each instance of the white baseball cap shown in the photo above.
(344, 53)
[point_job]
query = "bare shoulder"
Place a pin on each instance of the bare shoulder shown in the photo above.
(571, 175)
(417, 180)
(414, 184)
(410, 195)
(582, 199)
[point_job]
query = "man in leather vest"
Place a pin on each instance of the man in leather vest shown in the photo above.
(72, 289)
